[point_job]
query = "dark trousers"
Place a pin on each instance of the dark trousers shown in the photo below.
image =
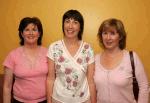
(16, 101)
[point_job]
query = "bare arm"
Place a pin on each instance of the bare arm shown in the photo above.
(91, 83)
(7, 86)
(50, 80)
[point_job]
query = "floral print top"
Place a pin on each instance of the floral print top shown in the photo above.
(71, 84)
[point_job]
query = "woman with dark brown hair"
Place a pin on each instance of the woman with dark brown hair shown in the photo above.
(71, 64)
(28, 66)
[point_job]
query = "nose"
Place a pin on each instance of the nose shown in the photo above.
(108, 36)
(31, 32)
(70, 25)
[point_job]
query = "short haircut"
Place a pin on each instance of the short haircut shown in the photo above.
(25, 22)
(118, 25)
(76, 15)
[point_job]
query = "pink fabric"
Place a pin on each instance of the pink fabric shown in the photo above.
(115, 86)
(29, 83)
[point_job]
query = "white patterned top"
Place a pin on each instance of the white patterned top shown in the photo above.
(71, 84)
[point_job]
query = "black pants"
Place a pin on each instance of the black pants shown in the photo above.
(16, 101)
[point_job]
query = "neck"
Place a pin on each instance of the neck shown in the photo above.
(112, 53)
(71, 41)
(30, 46)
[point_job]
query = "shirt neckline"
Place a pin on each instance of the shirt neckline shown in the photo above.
(114, 68)
(77, 52)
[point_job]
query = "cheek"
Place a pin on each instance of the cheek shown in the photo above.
(65, 26)
(117, 40)
(23, 34)
(77, 27)
(103, 39)
(37, 34)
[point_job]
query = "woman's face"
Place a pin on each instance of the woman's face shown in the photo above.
(71, 28)
(30, 34)
(110, 38)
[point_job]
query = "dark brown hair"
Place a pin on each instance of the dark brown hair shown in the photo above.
(76, 15)
(25, 22)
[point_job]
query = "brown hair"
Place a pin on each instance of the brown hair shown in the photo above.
(118, 25)
(24, 23)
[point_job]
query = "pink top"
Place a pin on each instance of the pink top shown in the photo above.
(29, 85)
(115, 86)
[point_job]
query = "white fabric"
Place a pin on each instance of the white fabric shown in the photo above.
(71, 84)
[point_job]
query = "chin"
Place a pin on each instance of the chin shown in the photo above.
(109, 48)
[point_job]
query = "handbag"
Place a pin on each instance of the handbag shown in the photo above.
(135, 83)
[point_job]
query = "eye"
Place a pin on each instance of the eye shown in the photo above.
(76, 22)
(112, 33)
(35, 30)
(26, 30)
(104, 33)
(67, 21)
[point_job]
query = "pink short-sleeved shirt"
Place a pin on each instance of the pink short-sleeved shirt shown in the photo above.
(29, 85)
(115, 86)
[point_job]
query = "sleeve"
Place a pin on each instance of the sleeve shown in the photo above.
(9, 61)
(90, 55)
(50, 54)
(142, 80)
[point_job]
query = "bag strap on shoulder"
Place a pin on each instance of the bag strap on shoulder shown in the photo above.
(132, 63)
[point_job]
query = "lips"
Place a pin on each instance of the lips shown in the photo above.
(70, 31)
(31, 37)
(109, 43)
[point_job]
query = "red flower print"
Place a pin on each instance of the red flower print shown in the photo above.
(61, 59)
(81, 94)
(68, 80)
(75, 83)
(79, 60)
(58, 66)
(68, 71)
(86, 46)
(87, 59)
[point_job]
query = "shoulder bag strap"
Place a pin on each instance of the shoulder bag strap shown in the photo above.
(132, 63)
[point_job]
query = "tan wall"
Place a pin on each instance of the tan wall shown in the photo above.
(134, 13)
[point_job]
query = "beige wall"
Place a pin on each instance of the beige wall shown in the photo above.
(134, 13)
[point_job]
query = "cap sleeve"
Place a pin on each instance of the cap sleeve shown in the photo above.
(50, 53)
(9, 61)
(90, 53)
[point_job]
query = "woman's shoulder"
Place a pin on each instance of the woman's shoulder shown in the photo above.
(16, 50)
(44, 49)
(97, 55)
(55, 43)
(127, 52)
(87, 45)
